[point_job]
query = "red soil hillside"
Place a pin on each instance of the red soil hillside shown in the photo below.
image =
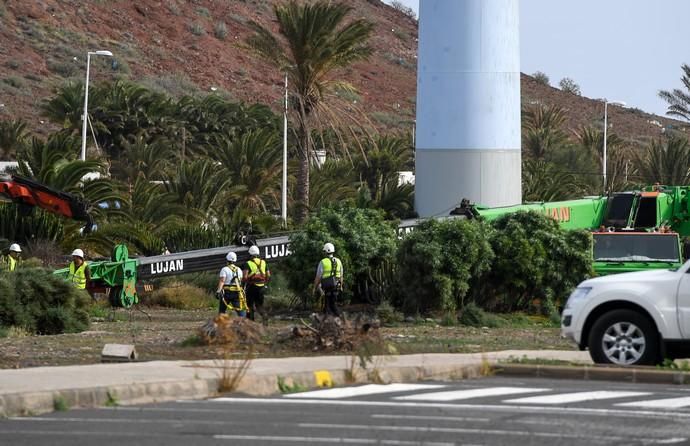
(187, 46)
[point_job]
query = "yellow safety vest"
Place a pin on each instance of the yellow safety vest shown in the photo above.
(78, 275)
(257, 272)
(235, 285)
(327, 268)
(9, 264)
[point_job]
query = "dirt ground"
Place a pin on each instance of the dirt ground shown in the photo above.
(171, 335)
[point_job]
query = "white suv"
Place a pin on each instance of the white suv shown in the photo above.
(631, 318)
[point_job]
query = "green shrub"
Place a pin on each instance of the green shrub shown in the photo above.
(439, 262)
(541, 78)
(387, 313)
(60, 404)
(181, 296)
(197, 29)
(14, 81)
(472, 315)
(279, 297)
(220, 30)
(39, 302)
(203, 12)
(363, 242)
(539, 265)
(570, 86)
(173, 7)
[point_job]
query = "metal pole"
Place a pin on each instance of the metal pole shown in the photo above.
(285, 130)
(86, 105)
(605, 129)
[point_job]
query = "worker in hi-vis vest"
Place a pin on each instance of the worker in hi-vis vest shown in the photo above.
(329, 276)
(79, 273)
(256, 276)
(10, 261)
(229, 289)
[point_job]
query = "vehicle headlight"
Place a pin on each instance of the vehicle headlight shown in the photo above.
(577, 295)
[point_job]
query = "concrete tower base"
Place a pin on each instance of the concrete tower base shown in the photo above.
(455, 174)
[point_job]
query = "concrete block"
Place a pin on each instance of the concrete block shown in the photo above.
(118, 353)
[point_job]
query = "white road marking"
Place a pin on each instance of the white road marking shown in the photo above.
(120, 420)
(497, 432)
(454, 395)
(667, 403)
(428, 417)
(369, 389)
(577, 397)
(627, 413)
(329, 440)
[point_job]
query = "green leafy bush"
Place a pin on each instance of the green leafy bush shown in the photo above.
(538, 265)
(439, 262)
(472, 315)
(37, 301)
(363, 242)
(387, 313)
(520, 262)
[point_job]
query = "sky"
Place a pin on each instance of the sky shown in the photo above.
(622, 50)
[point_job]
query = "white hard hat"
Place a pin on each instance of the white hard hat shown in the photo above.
(78, 252)
(15, 247)
(328, 248)
(231, 257)
(253, 250)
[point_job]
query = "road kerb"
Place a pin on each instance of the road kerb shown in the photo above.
(596, 373)
(35, 403)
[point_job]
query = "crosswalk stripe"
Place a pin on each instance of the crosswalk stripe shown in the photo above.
(369, 389)
(578, 397)
(670, 403)
(454, 395)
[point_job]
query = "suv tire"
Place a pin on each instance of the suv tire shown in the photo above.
(624, 337)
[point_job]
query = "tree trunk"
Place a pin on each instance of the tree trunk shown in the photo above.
(303, 173)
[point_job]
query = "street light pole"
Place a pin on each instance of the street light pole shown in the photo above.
(86, 100)
(606, 127)
(285, 143)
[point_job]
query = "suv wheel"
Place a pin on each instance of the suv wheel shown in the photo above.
(624, 337)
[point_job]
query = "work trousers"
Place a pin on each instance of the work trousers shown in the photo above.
(330, 302)
(232, 298)
(255, 301)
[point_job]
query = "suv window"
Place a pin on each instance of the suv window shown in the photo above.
(616, 247)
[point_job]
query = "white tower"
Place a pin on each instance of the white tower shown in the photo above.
(468, 105)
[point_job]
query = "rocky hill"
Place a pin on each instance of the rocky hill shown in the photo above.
(193, 46)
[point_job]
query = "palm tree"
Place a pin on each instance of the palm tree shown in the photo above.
(312, 42)
(13, 137)
(385, 157)
(679, 100)
(198, 185)
(139, 156)
(592, 140)
(542, 127)
(67, 106)
(543, 181)
(665, 161)
(253, 163)
(332, 183)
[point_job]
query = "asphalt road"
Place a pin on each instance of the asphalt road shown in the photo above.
(489, 411)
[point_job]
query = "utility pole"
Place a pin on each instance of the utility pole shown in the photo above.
(285, 139)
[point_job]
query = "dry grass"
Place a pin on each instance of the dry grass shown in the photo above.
(181, 296)
(235, 334)
(233, 370)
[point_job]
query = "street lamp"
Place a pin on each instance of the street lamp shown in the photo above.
(606, 125)
(86, 99)
(283, 210)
